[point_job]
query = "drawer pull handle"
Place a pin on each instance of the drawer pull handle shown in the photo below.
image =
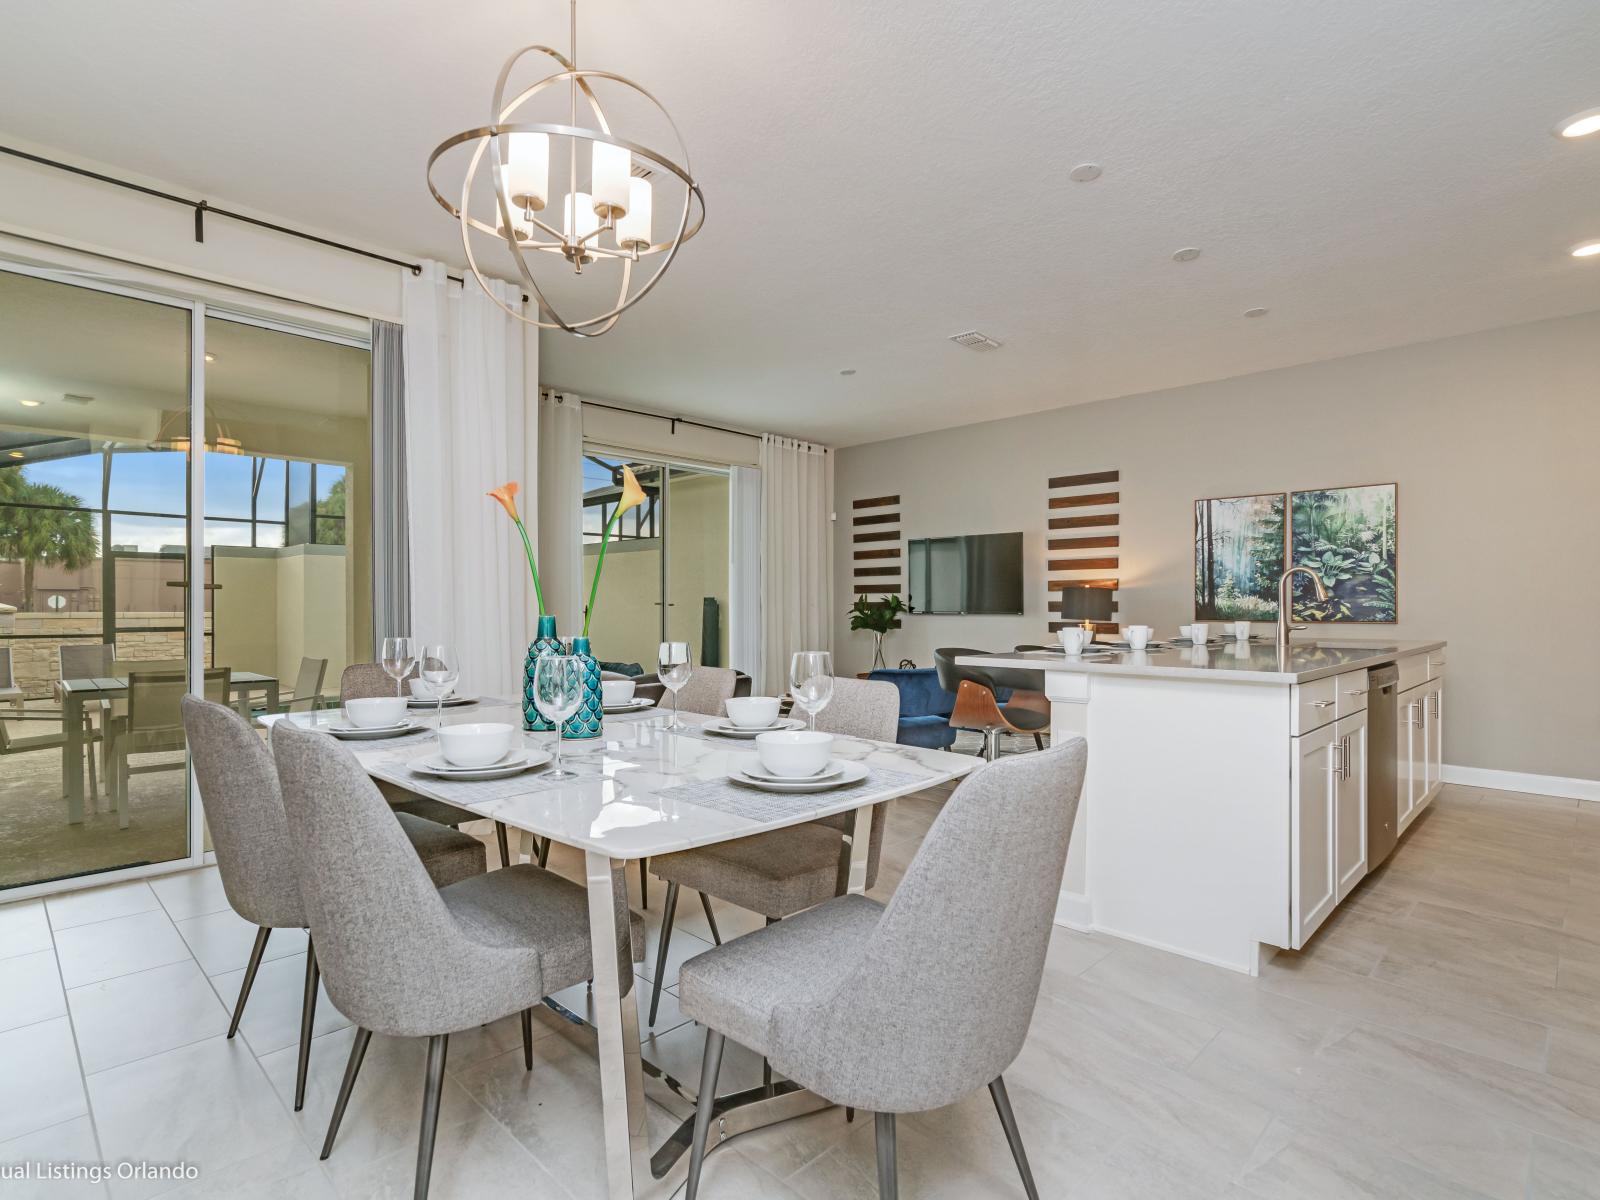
(1357, 692)
(1322, 704)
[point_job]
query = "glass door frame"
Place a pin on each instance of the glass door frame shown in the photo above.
(198, 309)
(665, 466)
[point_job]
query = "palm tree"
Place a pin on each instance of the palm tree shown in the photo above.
(41, 523)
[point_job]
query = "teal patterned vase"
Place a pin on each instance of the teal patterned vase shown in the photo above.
(545, 643)
(586, 722)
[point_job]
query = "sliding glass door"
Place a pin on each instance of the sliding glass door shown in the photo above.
(666, 573)
(134, 567)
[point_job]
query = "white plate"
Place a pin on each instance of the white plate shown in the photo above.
(851, 772)
(518, 760)
(635, 705)
(451, 702)
(752, 767)
(723, 727)
(355, 733)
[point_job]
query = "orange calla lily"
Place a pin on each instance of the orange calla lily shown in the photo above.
(506, 494)
(632, 496)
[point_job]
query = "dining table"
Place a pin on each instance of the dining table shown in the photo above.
(642, 789)
(73, 694)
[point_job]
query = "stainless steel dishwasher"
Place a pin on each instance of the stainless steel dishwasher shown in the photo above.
(1383, 774)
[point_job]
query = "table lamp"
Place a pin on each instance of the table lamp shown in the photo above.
(1086, 604)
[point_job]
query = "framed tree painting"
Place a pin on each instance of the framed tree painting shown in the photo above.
(1348, 536)
(1238, 557)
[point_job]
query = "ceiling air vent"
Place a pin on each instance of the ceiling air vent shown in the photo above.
(973, 340)
(70, 398)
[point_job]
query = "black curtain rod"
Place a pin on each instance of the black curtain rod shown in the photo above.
(673, 421)
(203, 207)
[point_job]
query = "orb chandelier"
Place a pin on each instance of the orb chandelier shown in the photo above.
(604, 228)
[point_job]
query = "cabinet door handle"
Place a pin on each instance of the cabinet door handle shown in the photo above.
(1322, 704)
(1344, 759)
(1335, 752)
(1414, 721)
(1434, 699)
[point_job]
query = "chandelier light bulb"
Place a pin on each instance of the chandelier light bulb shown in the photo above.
(610, 168)
(588, 219)
(633, 230)
(527, 172)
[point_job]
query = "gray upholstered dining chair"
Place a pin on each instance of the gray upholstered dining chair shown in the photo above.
(913, 1005)
(784, 871)
(361, 680)
(244, 811)
(403, 959)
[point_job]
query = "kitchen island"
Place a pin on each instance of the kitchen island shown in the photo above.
(1225, 813)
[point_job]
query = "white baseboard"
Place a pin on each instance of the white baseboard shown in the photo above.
(1074, 911)
(1520, 781)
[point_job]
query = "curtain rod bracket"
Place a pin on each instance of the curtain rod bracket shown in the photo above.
(200, 221)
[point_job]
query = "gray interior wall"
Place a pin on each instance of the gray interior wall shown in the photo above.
(1493, 438)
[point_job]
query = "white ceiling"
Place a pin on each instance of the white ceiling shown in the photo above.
(882, 175)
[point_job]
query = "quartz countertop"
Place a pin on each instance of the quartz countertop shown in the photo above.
(1224, 660)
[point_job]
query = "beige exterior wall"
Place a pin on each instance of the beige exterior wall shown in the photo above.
(1491, 438)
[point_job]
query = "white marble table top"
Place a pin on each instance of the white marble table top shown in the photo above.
(616, 805)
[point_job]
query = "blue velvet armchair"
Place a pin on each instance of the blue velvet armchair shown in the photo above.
(925, 707)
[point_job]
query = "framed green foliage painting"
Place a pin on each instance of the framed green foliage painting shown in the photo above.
(1238, 556)
(1349, 537)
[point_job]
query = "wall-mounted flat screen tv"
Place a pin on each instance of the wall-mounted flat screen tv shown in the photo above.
(980, 573)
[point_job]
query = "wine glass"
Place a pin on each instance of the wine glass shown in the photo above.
(557, 693)
(439, 669)
(673, 667)
(398, 657)
(811, 682)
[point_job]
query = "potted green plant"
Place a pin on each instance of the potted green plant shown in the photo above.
(877, 617)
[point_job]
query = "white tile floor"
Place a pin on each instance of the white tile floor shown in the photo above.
(1441, 1038)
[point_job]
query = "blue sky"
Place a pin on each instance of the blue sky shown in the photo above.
(156, 482)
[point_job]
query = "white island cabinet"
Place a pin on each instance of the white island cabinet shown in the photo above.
(1226, 811)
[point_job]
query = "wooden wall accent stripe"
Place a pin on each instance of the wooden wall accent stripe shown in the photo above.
(1094, 522)
(1067, 481)
(1082, 543)
(1088, 500)
(1099, 626)
(1072, 569)
(1083, 564)
(878, 571)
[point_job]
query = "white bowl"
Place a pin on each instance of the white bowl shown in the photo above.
(616, 691)
(476, 745)
(373, 711)
(752, 712)
(794, 753)
(422, 689)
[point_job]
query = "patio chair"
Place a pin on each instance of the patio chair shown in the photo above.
(153, 724)
(89, 660)
(307, 693)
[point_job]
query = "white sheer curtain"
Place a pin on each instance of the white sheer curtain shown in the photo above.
(745, 520)
(466, 432)
(797, 555)
(561, 508)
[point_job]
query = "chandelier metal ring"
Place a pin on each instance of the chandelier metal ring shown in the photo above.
(518, 229)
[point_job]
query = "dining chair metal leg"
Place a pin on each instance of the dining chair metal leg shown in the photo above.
(667, 914)
(849, 1116)
(888, 1175)
(308, 1016)
(1008, 1122)
(991, 744)
(500, 837)
(710, 1067)
(644, 883)
(711, 918)
(527, 1039)
(358, 1051)
(432, 1091)
(544, 853)
(766, 1079)
(256, 951)
(1038, 741)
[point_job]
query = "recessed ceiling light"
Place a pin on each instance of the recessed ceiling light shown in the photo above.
(848, 371)
(1580, 124)
(1586, 250)
(1255, 312)
(30, 403)
(16, 454)
(1187, 254)
(211, 358)
(1084, 173)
